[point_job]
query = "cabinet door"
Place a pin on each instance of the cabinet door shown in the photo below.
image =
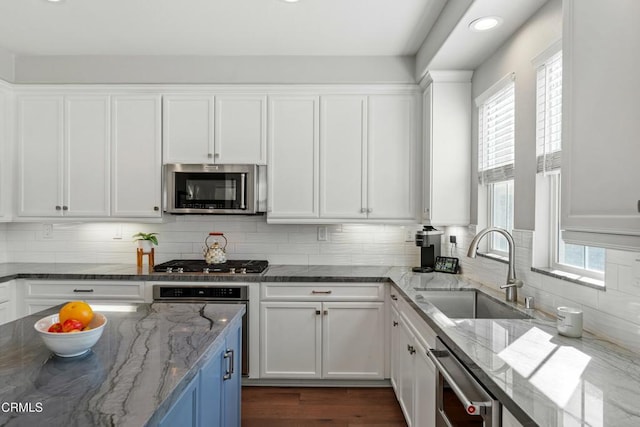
(447, 151)
(353, 340)
(424, 389)
(600, 174)
(184, 411)
(232, 383)
(406, 373)
(343, 137)
(40, 151)
(293, 158)
(391, 163)
(241, 129)
(188, 129)
(396, 350)
(136, 157)
(291, 339)
(6, 163)
(211, 389)
(86, 156)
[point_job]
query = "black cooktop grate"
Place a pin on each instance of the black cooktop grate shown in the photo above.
(198, 265)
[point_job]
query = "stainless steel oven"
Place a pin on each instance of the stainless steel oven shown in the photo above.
(460, 400)
(211, 294)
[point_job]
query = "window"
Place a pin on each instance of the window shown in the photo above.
(577, 259)
(496, 157)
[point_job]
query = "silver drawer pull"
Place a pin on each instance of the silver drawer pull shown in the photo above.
(321, 292)
(82, 290)
(228, 355)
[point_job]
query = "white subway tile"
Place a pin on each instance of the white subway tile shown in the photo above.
(289, 259)
(627, 281)
(330, 260)
(623, 305)
(613, 328)
(340, 249)
(298, 248)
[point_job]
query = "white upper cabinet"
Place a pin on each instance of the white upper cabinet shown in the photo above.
(223, 129)
(63, 155)
(343, 156)
(6, 163)
(241, 129)
(447, 148)
(188, 129)
(391, 157)
(364, 168)
(293, 157)
(136, 161)
(600, 174)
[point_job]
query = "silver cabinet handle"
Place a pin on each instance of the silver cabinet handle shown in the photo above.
(326, 312)
(209, 155)
(471, 407)
(395, 323)
(229, 355)
(58, 208)
(156, 208)
(394, 297)
(321, 292)
(369, 210)
(82, 291)
(411, 349)
(318, 312)
(243, 184)
(65, 208)
(363, 210)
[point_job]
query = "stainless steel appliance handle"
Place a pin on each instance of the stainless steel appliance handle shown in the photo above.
(471, 407)
(321, 292)
(243, 193)
(82, 290)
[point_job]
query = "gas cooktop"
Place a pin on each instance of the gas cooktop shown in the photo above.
(199, 266)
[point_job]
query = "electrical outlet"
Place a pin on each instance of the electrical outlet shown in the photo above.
(117, 232)
(453, 239)
(408, 236)
(47, 231)
(322, 233)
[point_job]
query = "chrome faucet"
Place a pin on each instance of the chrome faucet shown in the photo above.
(512, 284)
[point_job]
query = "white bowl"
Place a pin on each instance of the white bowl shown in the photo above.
(70, 344)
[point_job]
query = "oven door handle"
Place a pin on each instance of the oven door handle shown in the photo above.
(472, 408)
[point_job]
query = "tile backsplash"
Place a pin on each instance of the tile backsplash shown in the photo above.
(612, 313)
(249, 237)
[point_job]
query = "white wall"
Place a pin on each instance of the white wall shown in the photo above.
(540, 32)
(250, 237)
(210, 69)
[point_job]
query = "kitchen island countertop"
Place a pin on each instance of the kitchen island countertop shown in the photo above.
(131, 377)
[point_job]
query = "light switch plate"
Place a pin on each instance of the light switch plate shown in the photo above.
(47, 231)
(322, 233)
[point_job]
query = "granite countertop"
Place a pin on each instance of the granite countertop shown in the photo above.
(541, 377)
(140, 365)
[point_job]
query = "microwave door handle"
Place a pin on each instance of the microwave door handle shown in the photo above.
(471, 407)
(243, 186)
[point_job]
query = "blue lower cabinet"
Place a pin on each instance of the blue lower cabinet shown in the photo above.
(220, 384)
(212, 398)
(184, 412)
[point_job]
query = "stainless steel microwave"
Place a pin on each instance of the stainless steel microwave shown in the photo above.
(211, 189)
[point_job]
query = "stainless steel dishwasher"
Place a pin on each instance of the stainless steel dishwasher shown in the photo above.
(460, 400)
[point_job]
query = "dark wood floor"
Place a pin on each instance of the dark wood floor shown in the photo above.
(320, 406)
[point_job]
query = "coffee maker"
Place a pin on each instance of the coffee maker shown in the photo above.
(428, 240)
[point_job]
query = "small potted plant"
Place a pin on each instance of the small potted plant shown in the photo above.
(145, 241)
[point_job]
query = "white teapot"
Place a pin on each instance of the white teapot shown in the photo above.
(214, 253)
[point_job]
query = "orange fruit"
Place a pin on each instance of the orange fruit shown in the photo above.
(78, 310)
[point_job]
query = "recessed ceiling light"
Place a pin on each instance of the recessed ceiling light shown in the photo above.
(485, 23)
(54, 1)
(290, 1)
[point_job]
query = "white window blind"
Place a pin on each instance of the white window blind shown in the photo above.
(549, 114)
(497, 133)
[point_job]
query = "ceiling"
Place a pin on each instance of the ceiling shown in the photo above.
(256, 27)
(216, 27)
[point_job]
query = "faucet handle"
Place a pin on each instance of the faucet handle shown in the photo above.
(516, 283)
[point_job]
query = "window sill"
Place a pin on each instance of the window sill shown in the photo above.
(570, 277)
(558, 274)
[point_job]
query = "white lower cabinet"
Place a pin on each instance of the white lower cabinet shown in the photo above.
(318, 337)
(37, 295)
(413, 375)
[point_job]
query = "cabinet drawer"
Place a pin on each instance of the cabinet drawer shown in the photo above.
(85, 289)
(322, 291)
(5, 293)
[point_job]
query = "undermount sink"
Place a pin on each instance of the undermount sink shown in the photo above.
(469, 305)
